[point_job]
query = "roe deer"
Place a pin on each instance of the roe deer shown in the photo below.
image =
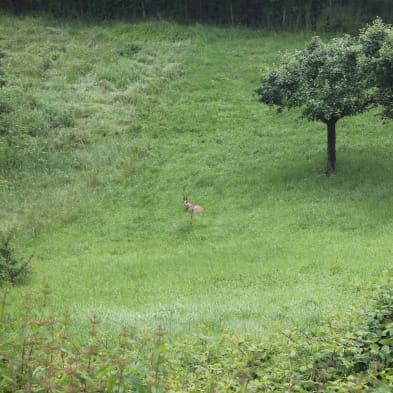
(192, 208)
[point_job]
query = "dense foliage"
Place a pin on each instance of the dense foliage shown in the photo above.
(38, 353)
(377, 43)
(329, 15)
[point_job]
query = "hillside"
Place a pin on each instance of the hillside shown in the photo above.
(112, 124)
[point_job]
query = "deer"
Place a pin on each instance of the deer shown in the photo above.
(192, 208)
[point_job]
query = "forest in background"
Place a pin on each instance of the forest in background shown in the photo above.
(309, 15)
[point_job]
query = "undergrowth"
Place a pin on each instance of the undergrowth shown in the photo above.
(346, 354)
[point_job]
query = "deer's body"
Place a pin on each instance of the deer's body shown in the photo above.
(191, 207)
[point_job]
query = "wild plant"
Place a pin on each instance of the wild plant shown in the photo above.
(12, 267)
(39, 352)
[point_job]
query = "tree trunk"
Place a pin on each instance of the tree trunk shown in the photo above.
(284, 16)
(331, 146)
(231, 13)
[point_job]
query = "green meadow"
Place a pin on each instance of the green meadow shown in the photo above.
(107, 125)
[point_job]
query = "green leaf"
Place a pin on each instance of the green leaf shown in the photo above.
(105, 371)
(110, 383)
(386, 341)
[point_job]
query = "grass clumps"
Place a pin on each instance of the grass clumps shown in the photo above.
(346, 354)
(74, 105)
(75, 79)
(159, 31)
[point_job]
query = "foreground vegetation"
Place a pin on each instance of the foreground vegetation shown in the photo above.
(39, 354)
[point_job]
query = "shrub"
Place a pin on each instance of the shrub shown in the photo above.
(12, 268)
(38, 353)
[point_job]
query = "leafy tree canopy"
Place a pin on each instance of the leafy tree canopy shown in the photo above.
(377, 46)
(324, 79)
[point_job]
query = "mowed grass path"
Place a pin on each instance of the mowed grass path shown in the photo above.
(278, 238)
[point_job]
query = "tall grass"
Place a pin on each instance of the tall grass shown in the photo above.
(168, 112)
(76, 99)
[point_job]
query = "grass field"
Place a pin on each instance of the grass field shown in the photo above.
(120, 121)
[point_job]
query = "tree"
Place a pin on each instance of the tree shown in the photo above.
(325, 80)
(377, 46)
(2, 80)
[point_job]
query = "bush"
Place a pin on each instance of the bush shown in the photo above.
(13, 269)
(38, 353)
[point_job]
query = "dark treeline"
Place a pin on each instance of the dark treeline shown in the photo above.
(326, 15)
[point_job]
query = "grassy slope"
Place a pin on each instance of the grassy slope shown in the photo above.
(278, 237)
